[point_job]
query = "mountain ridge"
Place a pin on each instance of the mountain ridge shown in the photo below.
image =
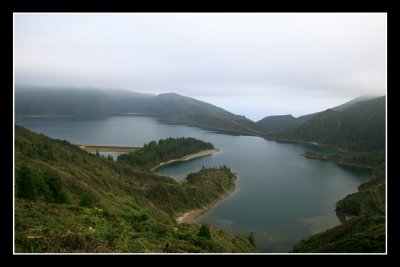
(359, 127)
(96, 102)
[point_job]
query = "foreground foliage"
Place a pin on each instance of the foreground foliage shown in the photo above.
(73, 201)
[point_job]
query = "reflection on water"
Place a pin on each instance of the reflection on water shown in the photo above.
(317, 224)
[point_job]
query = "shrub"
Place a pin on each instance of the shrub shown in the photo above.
(56, 190)
(47, 187)
(25, 183)
(251, 238)
(204, 231)
(87, 200)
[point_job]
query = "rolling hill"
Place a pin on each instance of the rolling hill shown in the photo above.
(284, 122)
(359, 127)
(352, 102)
(278, 123)
(91, 102)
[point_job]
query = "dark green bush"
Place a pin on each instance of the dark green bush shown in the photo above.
(87, 200)
(47, 187)
(204, 231)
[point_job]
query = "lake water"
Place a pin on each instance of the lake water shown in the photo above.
(280, 196)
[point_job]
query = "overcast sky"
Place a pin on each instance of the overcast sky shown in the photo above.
(250, 64)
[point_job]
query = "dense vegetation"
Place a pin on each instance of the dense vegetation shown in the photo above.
(359, 127)
(277, 123)
(95, 102)
(352, 102)
(68, 200)
(362, 159)
(154, 153)
(362, 213)
(284, 122)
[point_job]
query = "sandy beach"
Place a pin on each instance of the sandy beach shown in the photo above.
(94, 148)
(191, 216)
(187, 157)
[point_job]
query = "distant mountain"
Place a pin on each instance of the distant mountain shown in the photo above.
(352, 102)
(284, 122)
(90, 102)
(359, 127)
(75, 102)
(277, 123)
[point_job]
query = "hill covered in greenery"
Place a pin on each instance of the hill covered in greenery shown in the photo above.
(278, 123)
(89, 102)
(285, 122)
(352, 102)
(359, 127)
(68, 200)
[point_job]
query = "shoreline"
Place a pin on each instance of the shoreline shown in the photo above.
(94, 148)
(190, 216)
(200, 154)
(343, 163)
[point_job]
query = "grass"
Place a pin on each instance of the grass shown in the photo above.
(110, 206)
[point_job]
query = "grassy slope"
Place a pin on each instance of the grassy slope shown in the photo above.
(130, 210)
(360, 127)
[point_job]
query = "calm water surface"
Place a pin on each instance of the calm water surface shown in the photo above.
(281, 196)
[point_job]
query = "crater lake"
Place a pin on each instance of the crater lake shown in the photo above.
(280, 196)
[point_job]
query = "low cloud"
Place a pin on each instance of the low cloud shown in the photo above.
(220, 57)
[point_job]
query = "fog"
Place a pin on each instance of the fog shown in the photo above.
(250, 64)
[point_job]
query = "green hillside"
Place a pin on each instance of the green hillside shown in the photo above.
(90, 102)
(277, 123)
(359, 127)
(285, 122)
(352, 102)
(68, 200)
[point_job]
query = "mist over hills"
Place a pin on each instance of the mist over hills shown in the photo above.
(357, 125)
(91, 102)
